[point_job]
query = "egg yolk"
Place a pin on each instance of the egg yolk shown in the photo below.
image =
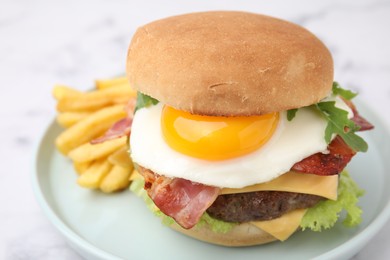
(214, 137)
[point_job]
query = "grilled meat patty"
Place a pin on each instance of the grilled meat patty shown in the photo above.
(261, 205)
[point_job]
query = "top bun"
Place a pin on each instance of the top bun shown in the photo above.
(229, 64)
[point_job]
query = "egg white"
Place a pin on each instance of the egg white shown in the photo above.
(292, 141)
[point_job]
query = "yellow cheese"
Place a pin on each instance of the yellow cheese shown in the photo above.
(283, 227)
(324, 186)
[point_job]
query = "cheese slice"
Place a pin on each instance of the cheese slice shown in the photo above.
(283, 227)
(324, 186)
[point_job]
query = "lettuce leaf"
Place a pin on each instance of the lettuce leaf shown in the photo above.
(326, 213)
(218, 226)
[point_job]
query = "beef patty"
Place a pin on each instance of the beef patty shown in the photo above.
(260, 205)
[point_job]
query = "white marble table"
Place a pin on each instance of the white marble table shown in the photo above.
(73, 42)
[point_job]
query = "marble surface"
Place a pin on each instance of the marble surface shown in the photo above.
(74, 42)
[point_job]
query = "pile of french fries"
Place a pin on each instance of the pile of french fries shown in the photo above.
(87, 116)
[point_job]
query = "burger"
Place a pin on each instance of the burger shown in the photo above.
(240, 135)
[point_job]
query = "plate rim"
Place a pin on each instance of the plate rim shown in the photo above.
(380, 219)
(69, 234)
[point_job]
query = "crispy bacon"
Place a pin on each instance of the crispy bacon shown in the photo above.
(358, 119)
(327, 164)
(362, 122)
(120, 128)
(181, 199)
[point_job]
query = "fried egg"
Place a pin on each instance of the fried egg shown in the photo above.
(227, 152)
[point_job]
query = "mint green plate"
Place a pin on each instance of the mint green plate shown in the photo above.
(119, 226)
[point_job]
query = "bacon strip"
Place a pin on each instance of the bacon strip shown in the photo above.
(181, 199)
(327, 164)
(358, 119)
(362, 122)
(120, 128)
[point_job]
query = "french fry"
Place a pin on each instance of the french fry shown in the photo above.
(96, 99)
(93, 176)
(121, 158)
(108, 83)
(67, 119)
(116, 179)
(87, 115)
(89, 152)
(60, 92)
(80, 168)
(89, 128)
(122, 85)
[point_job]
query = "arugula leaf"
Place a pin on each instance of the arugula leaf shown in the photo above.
(338, 123)
(144, 101)
(338, 90)
(291, 114)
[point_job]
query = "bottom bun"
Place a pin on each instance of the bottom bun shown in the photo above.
(244, 234)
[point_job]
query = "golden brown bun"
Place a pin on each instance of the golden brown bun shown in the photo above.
(244, 234)
(229, 63)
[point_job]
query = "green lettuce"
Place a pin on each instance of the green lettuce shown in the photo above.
(218, 226)
(326, 213)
